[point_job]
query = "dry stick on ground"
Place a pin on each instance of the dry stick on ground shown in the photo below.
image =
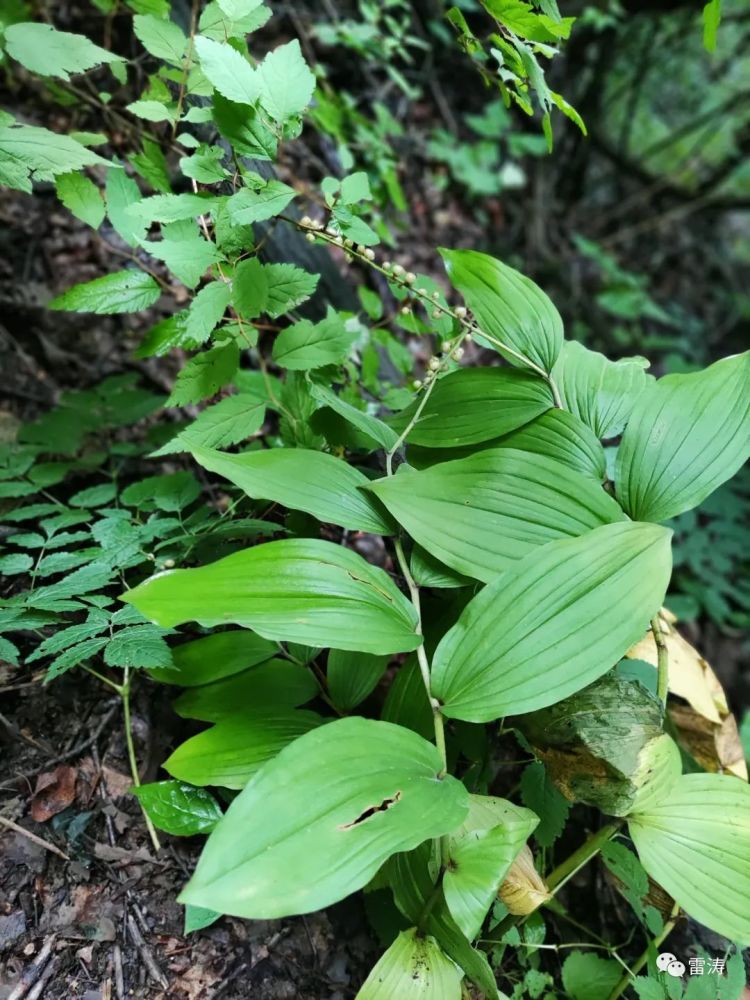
(34, 971)
(33, 837)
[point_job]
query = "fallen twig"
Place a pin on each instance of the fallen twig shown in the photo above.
(33, 837)
(30, 975)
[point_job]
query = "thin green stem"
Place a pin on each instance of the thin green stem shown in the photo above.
(125, 696)
(103, 679)
(580, 857)
(627, 979)
(662, 661)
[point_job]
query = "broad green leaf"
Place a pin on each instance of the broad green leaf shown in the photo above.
(152, 111)
(46, 51)
(371, 789)
(197, 918)
(214, 657)
(235, 9)
(306, 345)
(259, 203)
(162, 38)
(379, 432)
(121, 193)
(543, 798)
(138, 646)
(288, 287)
(229, 72)
(82, 197)
(29, 153)
(353, 676)
(600, 392)
(430, 572)
(301, 590)
(326, 487)
(480, 514)
(508, 306)
(587, 976)
(553, 623)
(413, 878)
(694, 843)
(413, 968)
(688, 435)
(205, 374)
(560, 435)
(228, 422)
(475, 404)
(179, 808)
(480, 853)
(556, 434)
(231, 752)
(272, 684)
(285, 82)
(121, 292)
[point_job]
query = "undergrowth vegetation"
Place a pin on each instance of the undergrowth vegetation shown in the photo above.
(372, 587)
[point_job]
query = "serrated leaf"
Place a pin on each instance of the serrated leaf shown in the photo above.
(694, 840)
(166, 208)
(480, 514)
(243, 127)
(82, 197)
(229, 72)
(121, 292)
(260, 203)
(62, 638)
(228, 422)
(324, 486)
(151, 111)
(46, 51)
(372, 791)
(508, 306)
(306, 345)
(121, 193)
(413, 968)
(474, 405)
(541, 796)
(29, 153)
(15, 563)
(587, 976)
(688, 435)
(178, 808)
(206, 311)
(161, 38)
(288, 287)
(250, 288)
(94, 496)
(188, 259)
(73, 656)
(205, 374)
(291, 590)
(138, 646)
(285, 82)
(230, 753)
(9, 652)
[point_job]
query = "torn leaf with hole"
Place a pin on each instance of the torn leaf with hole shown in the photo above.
(318, 821)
